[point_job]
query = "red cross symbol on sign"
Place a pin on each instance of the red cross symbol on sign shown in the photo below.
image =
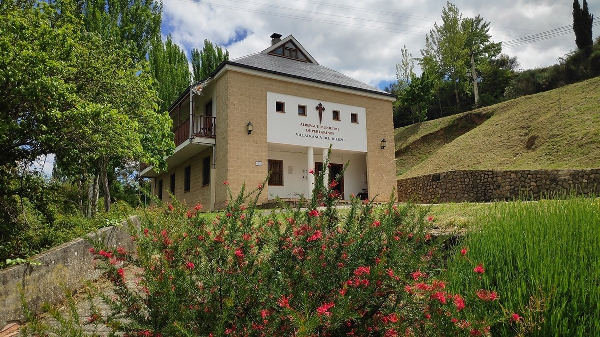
(320, 108)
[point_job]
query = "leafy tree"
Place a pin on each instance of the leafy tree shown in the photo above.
(405, 69)
(170, 69)
(417, 96)
(582, 25)
(496, 76)
(445, 53)
(205, 61)
(67, 91)
(132, 23)
(479, 47)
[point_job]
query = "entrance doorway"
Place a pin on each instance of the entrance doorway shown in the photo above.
(334, 170)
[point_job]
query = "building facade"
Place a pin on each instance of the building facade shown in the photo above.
(277, 111)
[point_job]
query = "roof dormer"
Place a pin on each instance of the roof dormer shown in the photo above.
(288, 48)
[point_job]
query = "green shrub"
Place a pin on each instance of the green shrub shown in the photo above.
(543, 258)
(372, 270)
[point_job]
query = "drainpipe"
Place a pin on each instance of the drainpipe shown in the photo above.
(213, 177)
(191, 111)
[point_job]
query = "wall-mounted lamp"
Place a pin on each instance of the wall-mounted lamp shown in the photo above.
(250, 127)
(383, 143)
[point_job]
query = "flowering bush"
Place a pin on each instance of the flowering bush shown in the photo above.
(313, 271)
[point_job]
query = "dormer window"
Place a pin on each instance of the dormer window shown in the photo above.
(290, 50)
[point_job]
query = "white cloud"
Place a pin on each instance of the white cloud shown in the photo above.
(363, 40)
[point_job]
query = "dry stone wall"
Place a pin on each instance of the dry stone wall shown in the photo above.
(458, 186)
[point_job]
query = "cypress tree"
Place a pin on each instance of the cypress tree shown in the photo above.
(582, 25)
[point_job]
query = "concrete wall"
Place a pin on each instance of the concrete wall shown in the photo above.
(69, 265)
(458, 186)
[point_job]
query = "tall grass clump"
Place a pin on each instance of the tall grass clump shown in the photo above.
(542, 258)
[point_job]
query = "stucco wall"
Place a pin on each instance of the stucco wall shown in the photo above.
(458, 186)
(69, 266)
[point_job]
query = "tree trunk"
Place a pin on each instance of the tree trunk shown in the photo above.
(474, 74)
(94, 196)
(456, 94)
(105, 187)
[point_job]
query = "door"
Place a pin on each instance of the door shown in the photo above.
(334, 170)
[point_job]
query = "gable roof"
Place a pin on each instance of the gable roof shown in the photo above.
(310, 70)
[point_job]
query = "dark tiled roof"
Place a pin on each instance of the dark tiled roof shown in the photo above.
(302, 70)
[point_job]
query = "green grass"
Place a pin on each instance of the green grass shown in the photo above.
(558, 129)
(543, 260)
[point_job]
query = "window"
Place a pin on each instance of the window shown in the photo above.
(276, 172)
(301, 110)
(336, 115)
(354, 117)
(172, 186)
(290, 50)
(160, 188)
(280, 106)
(187, 179)
(206, 171)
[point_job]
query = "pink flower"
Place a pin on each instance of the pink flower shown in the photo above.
(121, 273)
(459, 302)
(311, 171)
(239, 253)
(430, 218)
(464, 251)
(284, 302)
(324, 309)
(198, 207)
(362, 270)
(189, 265)
(316, 236)
(333, 184)
(260, 186)
(376, 223)
(440, 296)
(515, 317)
(479, 269)
(313, 213)
(264, 313)
(226, 183)
(171, 207)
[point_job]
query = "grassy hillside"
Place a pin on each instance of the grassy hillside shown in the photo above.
(554, 129)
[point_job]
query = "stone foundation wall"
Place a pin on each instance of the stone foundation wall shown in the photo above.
(459, 186)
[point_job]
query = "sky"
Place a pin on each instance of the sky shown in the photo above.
(363, 39)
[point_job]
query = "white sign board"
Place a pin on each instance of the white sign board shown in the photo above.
(308, 122)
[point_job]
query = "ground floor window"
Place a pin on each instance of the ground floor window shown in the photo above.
(276, 172)
(206, 171)
(187, 179)
(172, 187)
(160, 188)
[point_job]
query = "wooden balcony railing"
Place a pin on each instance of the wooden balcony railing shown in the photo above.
(203, 126)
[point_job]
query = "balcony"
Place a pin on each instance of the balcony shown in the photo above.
(203, 127)
(203, 136)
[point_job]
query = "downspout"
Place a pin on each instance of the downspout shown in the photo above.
(213, 177)
(191, 112)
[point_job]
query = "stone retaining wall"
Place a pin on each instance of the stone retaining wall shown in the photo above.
(459, 186)
(67, 266)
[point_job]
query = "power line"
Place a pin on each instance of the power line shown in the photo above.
(549, 34)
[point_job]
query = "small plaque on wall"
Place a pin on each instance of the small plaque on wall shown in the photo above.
(258, 163)
(290, 170)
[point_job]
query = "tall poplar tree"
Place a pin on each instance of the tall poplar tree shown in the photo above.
(206, 60)
(170, 68)
(582, 25)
